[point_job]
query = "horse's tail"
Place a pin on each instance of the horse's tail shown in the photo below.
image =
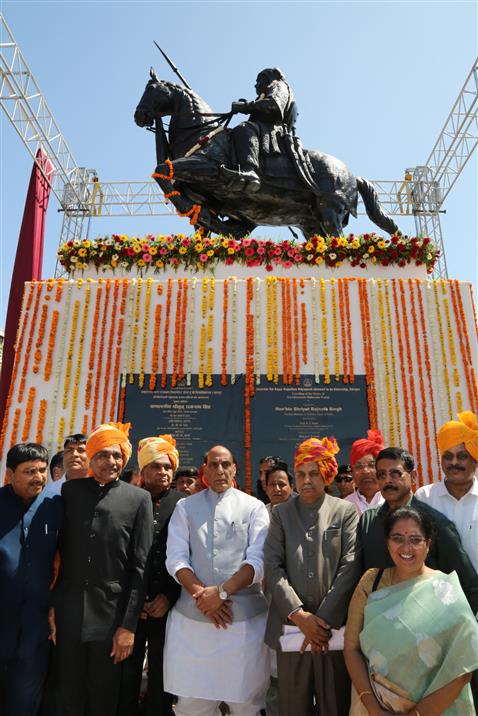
(374, 208)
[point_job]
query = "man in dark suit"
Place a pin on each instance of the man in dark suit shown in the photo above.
(30, 522)
(310, 574)
(100, 589)
(396, 474)
(158, 460)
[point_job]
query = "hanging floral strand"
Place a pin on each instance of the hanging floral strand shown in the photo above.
(41, 421)
(343, 329)
(28, 349)
(296, 331)
(177, 332)
(315, 328)
(93, 352)
(391, 332)
(368, 355)
(464, 342)
(335, 329)
(79, 362)
(451, 343)
(225, 302)
(41, 335)
(444, 359)
(155, 355)
(233, 330)
(99, 368)
(58, 363)
(144, 343)
(69, 357)
(348, 323)
(183, 328)
(191, 332)
(28, 414)
(257, 306)
(166, 333)
(134, 338)
(275, 334)
(401, 363)
(415, 448)
(325, 346)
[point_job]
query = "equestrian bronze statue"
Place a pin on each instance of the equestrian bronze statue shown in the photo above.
(228, 181)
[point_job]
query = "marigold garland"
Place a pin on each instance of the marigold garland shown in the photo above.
(325, 345)
(41, 421)
(192, 313)
(225, 305)
(16, 423)
(210, 330)
(348, 323)
(426, 356)
(444, 360)
(99, 371)
(451, 343)
(127, 353)
(144, 343)
(28, 348)
(202, 353)
(414, 449)
(61, 433)
(315, 329)
(296, 331)
(58, 363)
(134, 339)
(401, 363)
(182, 338)
(119, 344)
(387, 372)
(41, 335)
(368, 352)
(177, 332)
(109, 351)
(79, 362)
(473, 308)
(343, 329)
(28, 414)
(335, 330)
(249, 382)
(209, 367)
(257, 330)
(391, 333)
(167, 320)
(464, 342)
(275, 334)
(69, 357)
(303, 325)
(93, 352)
(381, 392)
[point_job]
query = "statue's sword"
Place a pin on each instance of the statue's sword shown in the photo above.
(173, 67)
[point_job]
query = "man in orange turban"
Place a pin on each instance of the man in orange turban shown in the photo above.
(100, 589)
(158, 459)
(311, 571)
(457, 495)
(362, 458)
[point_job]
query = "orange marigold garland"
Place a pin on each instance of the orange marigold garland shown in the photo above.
(325, 345)
(257, 334)
(69, 357)
(119, 344)
(401, 363)
(164, 368)
(303, 322)
(368, 353)
(249, 382)
(16, 423)
(451, 343)
(28, 348)
(183, 323)
(41, 421)
(177, 332)
(104, 323)
(225, 305)
(127, 353)
(296, 331)
(51, 344)
(343, 329)
(144, 343)
(192, 317)
(41, 335)
(465, 345)
(58, 363)
(473, 308)
(107, 389)
(391, 332)
(155, 354)
(275, 334)
(28, 414)
(380, 368)
(315, 329)
(134, 337)
(284, 331)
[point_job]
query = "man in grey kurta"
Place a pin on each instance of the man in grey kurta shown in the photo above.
(311, 572)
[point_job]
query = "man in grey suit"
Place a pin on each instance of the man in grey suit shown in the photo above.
(310, 573)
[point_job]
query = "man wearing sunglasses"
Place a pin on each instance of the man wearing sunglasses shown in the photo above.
(344, 481)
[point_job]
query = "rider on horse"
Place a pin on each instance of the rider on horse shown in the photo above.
(271, 115)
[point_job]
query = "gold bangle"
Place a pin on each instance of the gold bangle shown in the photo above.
(417, 712)
(362, 693)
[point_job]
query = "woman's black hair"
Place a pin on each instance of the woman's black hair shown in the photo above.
(422, 519)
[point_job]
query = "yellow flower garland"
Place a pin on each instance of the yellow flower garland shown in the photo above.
(315, 329)
(79, 363)
(192, 313)
(275, 333)
(144, 344)
(269, 371)
(257, 339)
(391, 332)
(384, 338)
(132, 365)
(233, 330)
(325, 346)
(451, 343)
(335, 330)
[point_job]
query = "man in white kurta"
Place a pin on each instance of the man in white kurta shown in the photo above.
(215, 634)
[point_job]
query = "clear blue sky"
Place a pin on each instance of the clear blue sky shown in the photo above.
(374, 82)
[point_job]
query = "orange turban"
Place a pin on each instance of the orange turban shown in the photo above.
(371, 445)
(149, 449)
(464, 430)
(322, 452)
(108, 434)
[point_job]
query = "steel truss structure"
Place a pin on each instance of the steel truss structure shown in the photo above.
(82, 196)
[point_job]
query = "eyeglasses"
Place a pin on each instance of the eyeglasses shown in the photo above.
(402, 540)
(364, 465)
(343, 478)
(394, 474)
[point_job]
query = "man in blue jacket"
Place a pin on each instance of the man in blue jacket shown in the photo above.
(30, 522)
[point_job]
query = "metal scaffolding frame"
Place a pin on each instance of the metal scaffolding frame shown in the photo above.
(82, 196)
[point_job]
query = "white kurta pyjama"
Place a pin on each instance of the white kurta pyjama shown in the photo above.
(204, 662)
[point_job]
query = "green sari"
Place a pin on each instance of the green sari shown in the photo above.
(421, 634)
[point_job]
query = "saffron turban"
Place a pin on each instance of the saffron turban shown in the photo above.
(107, 435)
(321, 452)
(371, 445)
(149, 449)
(464, 430)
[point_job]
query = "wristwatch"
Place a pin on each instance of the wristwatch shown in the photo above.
(222, 592)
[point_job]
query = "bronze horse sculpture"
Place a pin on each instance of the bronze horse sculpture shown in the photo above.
(197, 146)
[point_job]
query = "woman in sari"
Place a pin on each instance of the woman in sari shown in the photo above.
(411, 640)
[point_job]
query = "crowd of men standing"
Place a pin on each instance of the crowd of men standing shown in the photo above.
(96, 572)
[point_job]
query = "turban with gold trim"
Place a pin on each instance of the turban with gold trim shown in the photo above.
(371, 445)
(464, 430)
(322, 452)
(149, 449)
(107, 435)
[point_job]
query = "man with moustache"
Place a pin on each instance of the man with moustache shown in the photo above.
(215, 647)
(362, 458)
(396, 474)
(278, 484)
(310, 573)
(158, 459)
(75, 461)
(100, 589)
(457, 495)
(30, 522)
